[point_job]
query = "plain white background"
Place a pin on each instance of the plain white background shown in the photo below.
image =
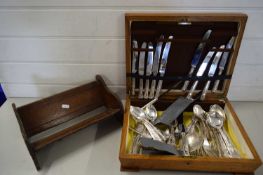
(53, 45)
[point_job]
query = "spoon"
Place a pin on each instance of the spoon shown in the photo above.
(216, 119)
(139, 115)
(150, 110)
(207, 145)
(194, 140)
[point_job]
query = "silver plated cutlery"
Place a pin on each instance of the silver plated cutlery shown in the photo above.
(212, 71)
(163, 63)
(149, 66)
(134, 62)
(223, 62)
(155, 67)
(141, 69)
(196, 57)
(201, 72)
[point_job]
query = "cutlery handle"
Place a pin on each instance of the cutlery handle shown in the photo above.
(215, 86)
(159, 86)
(133, 86)
(186, 83)
(205, 90)
(141, 89)
(152, 89)
(217, 81)
(146, 93)
(190, 94)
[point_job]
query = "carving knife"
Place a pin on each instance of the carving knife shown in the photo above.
(163, 65)
(155, 68)
(149, 66)
(177, 107)
(212, 71)
(134, 61)
(196, 57)
(223, 62)
(141, 69)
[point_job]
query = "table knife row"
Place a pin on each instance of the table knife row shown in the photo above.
(156, 65)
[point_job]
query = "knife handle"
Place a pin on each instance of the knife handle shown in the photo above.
(141, 89)
(216, 84)
(152, 89)
(190, 94)
(159, 86)
(205, 90)
(186, 83)
(133, 86)
(146, 93)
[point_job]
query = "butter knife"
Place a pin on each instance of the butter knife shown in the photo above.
(134, 61)
(223, 62)
(212, 71)
(149, 66)
(155, 68)
(141, 69)
(163, 65)
(196, 57)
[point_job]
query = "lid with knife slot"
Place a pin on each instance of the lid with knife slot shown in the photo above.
(163, 49)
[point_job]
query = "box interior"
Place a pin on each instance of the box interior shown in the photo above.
(230, 126)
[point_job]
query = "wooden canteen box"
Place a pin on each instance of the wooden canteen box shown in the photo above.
(148, 28)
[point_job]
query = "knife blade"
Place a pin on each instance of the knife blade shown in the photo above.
(141, 68)
(155, 68)
(134, 62)
(170, 114)
(212, 71)
(200, 72)
(163, 65)
(196, 57)
(223, 62)
(149, 66)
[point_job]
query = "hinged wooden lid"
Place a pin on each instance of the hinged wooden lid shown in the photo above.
(148, 28)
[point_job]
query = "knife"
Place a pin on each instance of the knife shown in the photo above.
(212, 71)
(163, 65)
(134, 61)
(155, 68)
(196, 57)
(149, 66)
(177, 107)
(200, 72)
(141, 68)
(223, 62)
